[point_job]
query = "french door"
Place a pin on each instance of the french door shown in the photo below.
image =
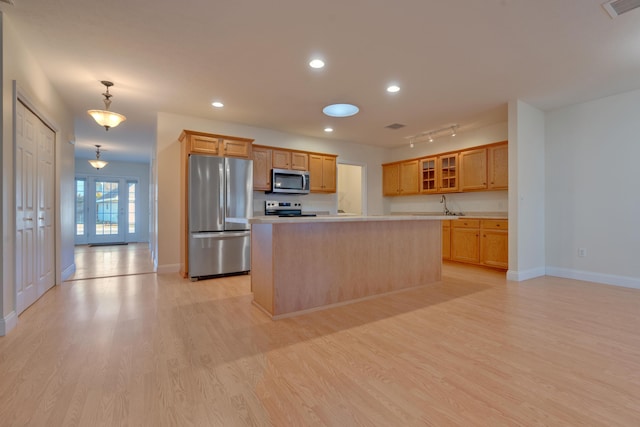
(105, 210)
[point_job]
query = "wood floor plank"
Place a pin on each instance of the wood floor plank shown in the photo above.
(471, 350)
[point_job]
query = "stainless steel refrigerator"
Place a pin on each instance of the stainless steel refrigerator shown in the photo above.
(220, 203)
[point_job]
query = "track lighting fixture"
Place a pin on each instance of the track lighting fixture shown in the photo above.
(107, 118)
(97, 163)
(432, 134)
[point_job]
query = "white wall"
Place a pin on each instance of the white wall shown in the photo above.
(486, 201)
(526, 192)
(170, 126)
(20, 66)
(139, 171)
(592, 196)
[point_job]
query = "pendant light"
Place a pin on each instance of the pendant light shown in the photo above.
(107, 118)
(97, 163)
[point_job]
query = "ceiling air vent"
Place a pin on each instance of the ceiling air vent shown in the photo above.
(395, 126)
(616, 8)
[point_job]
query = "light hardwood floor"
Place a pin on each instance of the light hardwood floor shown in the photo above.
(472, 350)
(107, 261)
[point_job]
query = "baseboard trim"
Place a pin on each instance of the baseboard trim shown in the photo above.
(8, 323)
(168, 268)
(587, 276)
(68, 272)
(519, 276)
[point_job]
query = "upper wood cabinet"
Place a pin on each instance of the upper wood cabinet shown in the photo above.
(473, 170)
(478, 168)
(400, 179)
(281, 159)
(322, 173)
(428, 175)
(498, 167)
(262, 168)
(287, 159)
(448, 173)
(215, 145)
(299, 161)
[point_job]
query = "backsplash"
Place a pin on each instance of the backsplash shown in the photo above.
(482, 201)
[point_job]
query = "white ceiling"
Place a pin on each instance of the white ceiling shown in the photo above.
(457, 61)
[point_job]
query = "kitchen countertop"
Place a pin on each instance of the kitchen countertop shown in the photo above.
(274, 219)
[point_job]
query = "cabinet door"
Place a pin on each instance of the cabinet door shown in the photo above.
(498, 169)
(465, 244)
(203, 144)
(261, 169)
(322, 173)
(281, 159)
(428, 177)
(409, 178)
(234, 148)
(494, 248)
(446, 239)
(448, 173)
(473, 170)
(329, 174)
(299, 161)
(390, 179)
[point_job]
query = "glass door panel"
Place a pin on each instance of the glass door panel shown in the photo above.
(108, 213)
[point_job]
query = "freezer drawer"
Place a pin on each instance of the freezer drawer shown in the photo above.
(217, 253)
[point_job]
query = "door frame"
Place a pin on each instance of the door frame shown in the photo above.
(363, 183)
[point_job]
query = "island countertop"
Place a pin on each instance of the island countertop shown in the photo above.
(274, 219)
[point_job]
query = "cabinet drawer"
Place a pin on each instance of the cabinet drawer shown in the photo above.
(466, 223)
(495, 224)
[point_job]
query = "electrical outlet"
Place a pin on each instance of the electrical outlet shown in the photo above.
(582, 252)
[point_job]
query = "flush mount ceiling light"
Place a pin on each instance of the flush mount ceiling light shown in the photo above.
(340, 110)
(217, 104)
(328, 129)
(316, 63)
(97, 163)
(453, 131)
(107, 118)
(393, 89)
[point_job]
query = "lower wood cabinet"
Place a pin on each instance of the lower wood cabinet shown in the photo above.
(446, 239)
(477, 241)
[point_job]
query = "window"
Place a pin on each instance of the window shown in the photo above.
(131, 211)
(80, 206)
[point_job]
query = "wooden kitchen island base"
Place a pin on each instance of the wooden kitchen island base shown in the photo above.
(300, 265)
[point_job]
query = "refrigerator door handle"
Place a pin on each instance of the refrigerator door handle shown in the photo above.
(219, 235)
(221, 180)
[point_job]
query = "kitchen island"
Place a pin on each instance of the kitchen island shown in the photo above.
(302, 264)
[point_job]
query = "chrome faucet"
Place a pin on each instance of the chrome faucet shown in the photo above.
(443, 199)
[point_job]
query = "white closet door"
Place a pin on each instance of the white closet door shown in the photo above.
(35, 238)
(26, 151)
(45, 251)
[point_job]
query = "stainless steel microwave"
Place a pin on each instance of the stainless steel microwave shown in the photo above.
(289, 181)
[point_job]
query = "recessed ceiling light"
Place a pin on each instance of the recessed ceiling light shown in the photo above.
(328, 129)
(217, 104)
(316, 63)
(340, 110)
(393, 89)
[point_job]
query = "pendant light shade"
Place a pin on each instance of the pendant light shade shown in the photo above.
(106, 118)
(97, 163)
